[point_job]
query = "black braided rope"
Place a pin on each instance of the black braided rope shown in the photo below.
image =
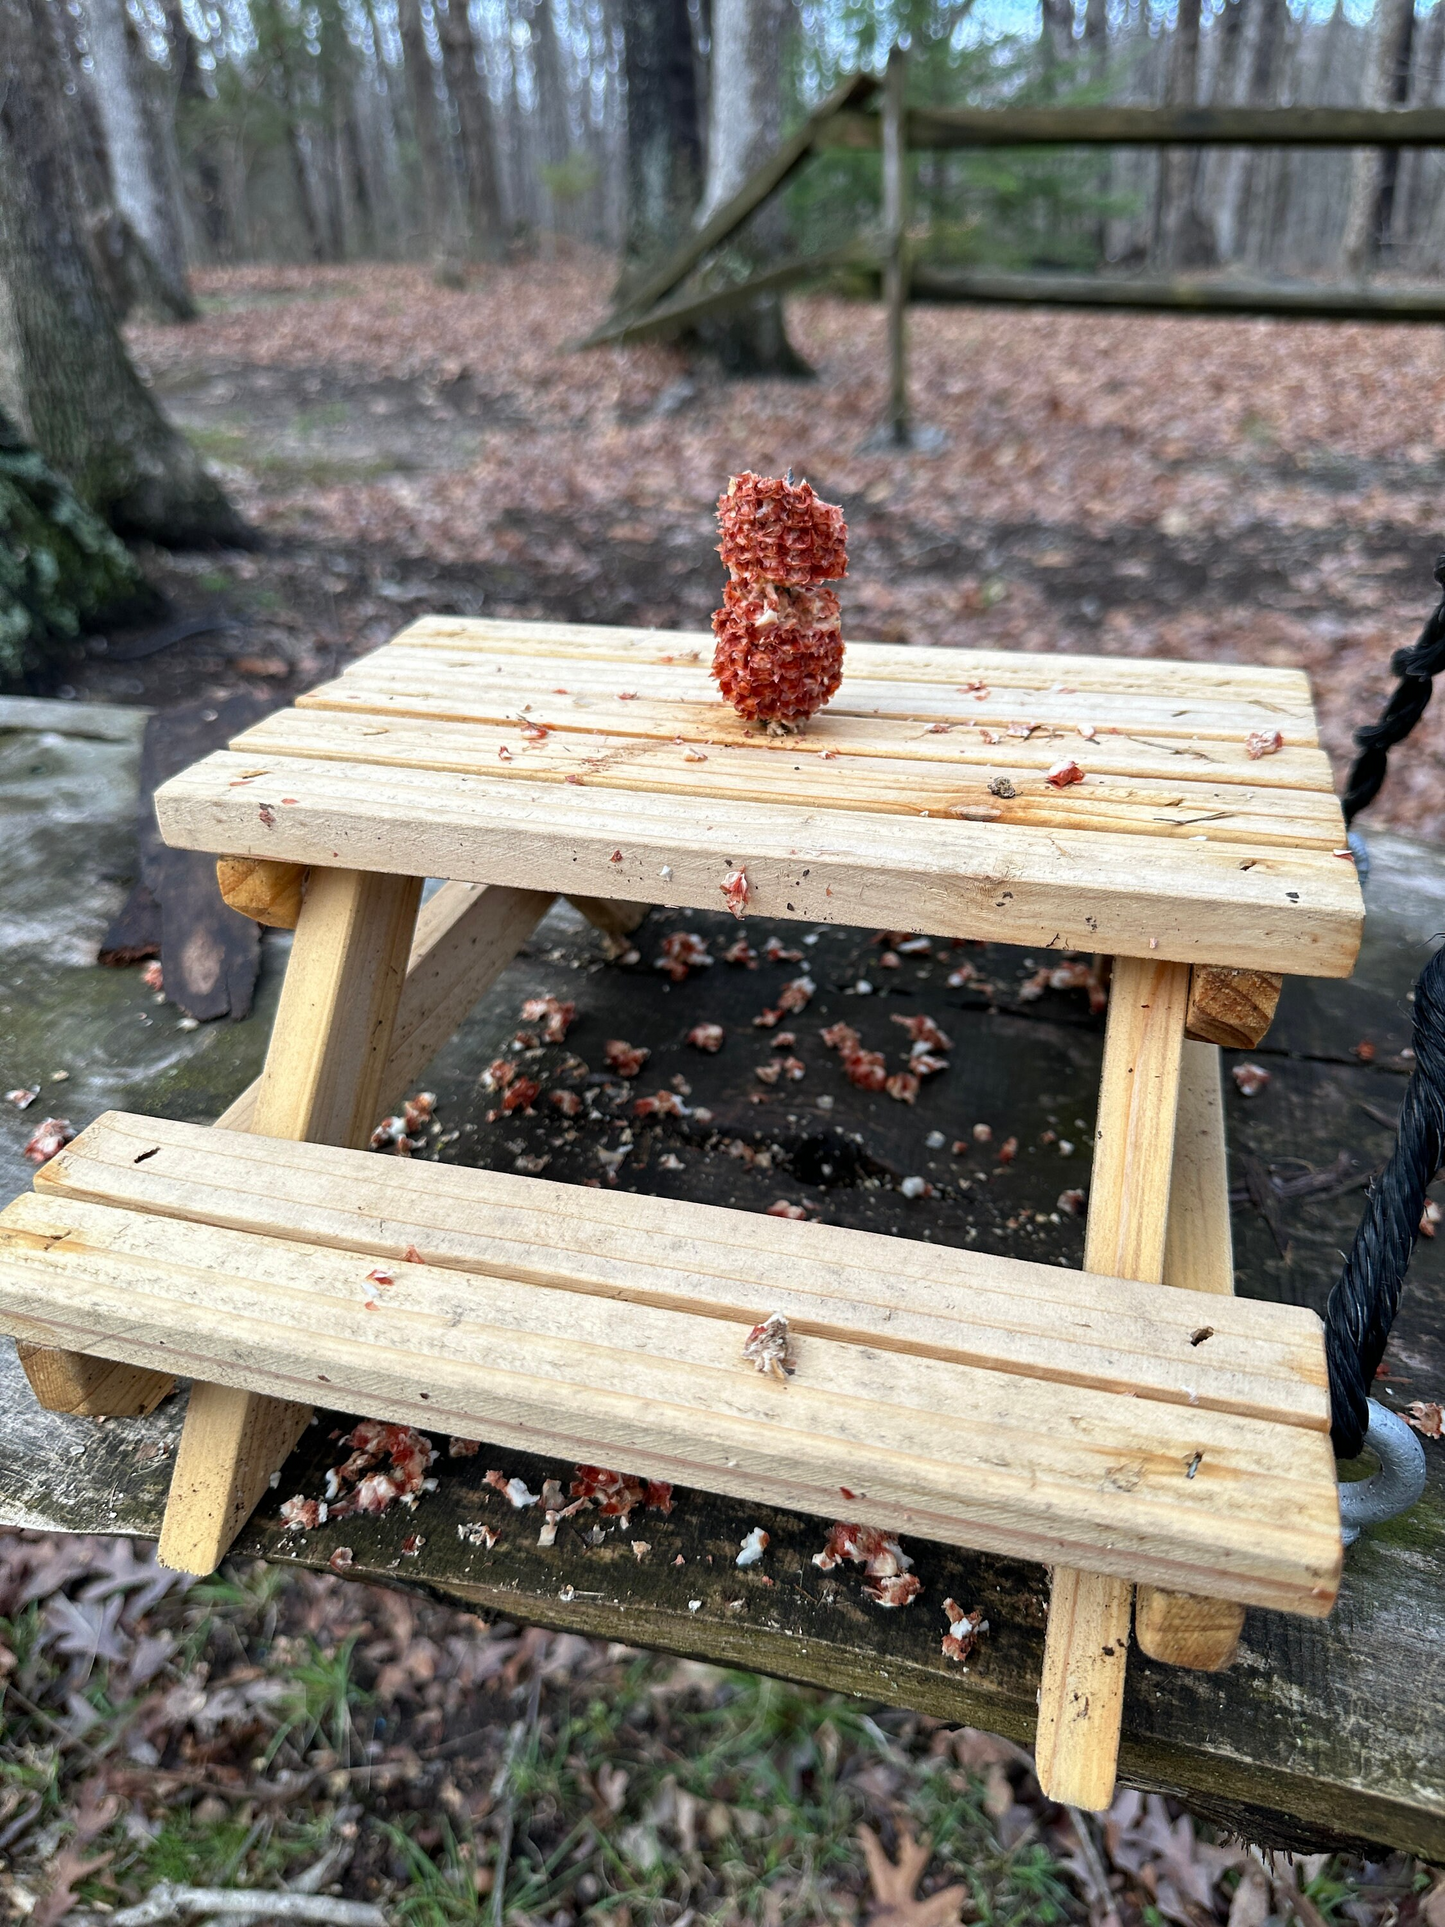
(1366, 1296)
(1416, 667)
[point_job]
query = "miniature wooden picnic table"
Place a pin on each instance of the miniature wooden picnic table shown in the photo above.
(1129, 1424)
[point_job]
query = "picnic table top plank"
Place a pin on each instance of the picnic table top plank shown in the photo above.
(1059, 800)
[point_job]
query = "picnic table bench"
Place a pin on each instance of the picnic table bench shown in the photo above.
(397, 769)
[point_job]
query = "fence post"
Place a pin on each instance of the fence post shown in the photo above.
(895, 243)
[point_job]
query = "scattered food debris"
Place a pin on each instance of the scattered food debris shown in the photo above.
(881, 1556)
(753, 1548)
(618, 1494)
(152, 975)
(983, 1134)
(1429, 1218)
(782, 1208)
(513, 1490)
(463, 1448)
(766, 1346)
(682, 951)
(775, 952)
(736, 891)
(1008, 1150)
(1427, 1419)
(342, 1559)
(740, 951)
(356, 1485)
(1263, 742)
(1250, 1079)
(964, 1630)
(22, 1099)
(553, 1015)
(708, 1037)
(1063, 773)
(567, 1102)
(916, 1188)
(48, 1138)
(624, 1058)
(473, 1533)
(1074, 974)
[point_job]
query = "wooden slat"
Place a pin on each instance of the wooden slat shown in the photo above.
(1035, 1321)
(1130, 807)
(1184, 1629)
(329, 1049)
(876, 661)
(1081, 1695)
(1040, 1471)
(1296, 911)
(1162, 712)
(466, 935)
(1109, 752)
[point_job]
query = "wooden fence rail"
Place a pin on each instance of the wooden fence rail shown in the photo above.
(861, 115)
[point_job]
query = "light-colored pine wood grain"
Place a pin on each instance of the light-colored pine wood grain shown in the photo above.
(1164, 712)
(1012, 1465)
(1180, 1628)
(1232, 1007)
(269, 893)
(332, 1036)
(92, 1387)
(894, 661)
(835, 731)
(1192, 901)
(1081, 1689)
(1034, 1321)
(1153, 807)
(1199, 1246)
(330, 1045)
(232, 1443)
(466, 935)
(1081, 1700)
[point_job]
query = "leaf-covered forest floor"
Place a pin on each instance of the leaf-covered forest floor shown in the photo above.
(267, 1728)
(1254, 491)
(1244, 490)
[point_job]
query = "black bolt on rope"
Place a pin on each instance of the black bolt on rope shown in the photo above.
(1416, 668)
(1366, 1296)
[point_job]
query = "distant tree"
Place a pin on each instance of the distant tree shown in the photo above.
(66, 381)
(1376, 170)
(745, 125)
(664, 134)
(140, 174)
(474, 126)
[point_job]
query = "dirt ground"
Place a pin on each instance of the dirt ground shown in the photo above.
(1242, 490)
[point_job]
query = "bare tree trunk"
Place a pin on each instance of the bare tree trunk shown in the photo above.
(140, 176)
(1185, 239)
(65, 378)
(426, 119)
(1369, 200)
(478, 136)
(191, 96)
(664, 141)
(745, 127)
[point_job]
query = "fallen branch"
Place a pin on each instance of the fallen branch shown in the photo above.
(168, 1900)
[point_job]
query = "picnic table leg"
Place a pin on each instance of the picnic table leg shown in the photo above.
(1181, 1628)
(322, 1084)
(1081, 1696)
